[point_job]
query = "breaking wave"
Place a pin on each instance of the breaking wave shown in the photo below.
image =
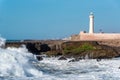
(17, 62)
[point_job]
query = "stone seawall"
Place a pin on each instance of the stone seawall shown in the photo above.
(95, 36)
(99, 36)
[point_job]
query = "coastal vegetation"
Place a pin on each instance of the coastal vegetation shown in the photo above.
(79, 49)
(89, 49)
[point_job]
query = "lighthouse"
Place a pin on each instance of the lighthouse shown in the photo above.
(91, 23)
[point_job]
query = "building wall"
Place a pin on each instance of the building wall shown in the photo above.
(95, 36)
(75, 37)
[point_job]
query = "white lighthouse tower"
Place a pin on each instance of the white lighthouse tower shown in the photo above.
(91, 23)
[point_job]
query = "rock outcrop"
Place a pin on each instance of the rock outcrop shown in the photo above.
(39, 58)
(75, 49)
(88, 49)
(62, 58)
(49, 47)
(33, 48)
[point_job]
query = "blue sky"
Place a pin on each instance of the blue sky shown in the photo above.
(52, 19)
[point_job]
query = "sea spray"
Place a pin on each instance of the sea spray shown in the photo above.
(2, 42)
(17, 62)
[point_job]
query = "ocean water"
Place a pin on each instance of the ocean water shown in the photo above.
(19, 64)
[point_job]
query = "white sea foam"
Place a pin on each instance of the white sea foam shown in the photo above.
(2, 42)
(82, 70)
(19, 64)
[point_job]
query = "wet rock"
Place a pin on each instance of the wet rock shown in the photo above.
(75, 60)
(118, 67)
(59, 54)
(33, 48)
(98, 60)
(62, 58)
(44, 48)
(39, 58)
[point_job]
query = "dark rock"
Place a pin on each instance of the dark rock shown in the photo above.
(32, 48)
(75, 60)
(59, 54)
(44, 48)
(118, 67)
(37, 48)
(62, 58)
(98, 60)
(39, 58)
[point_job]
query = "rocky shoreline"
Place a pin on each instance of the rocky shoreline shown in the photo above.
(72, 49)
